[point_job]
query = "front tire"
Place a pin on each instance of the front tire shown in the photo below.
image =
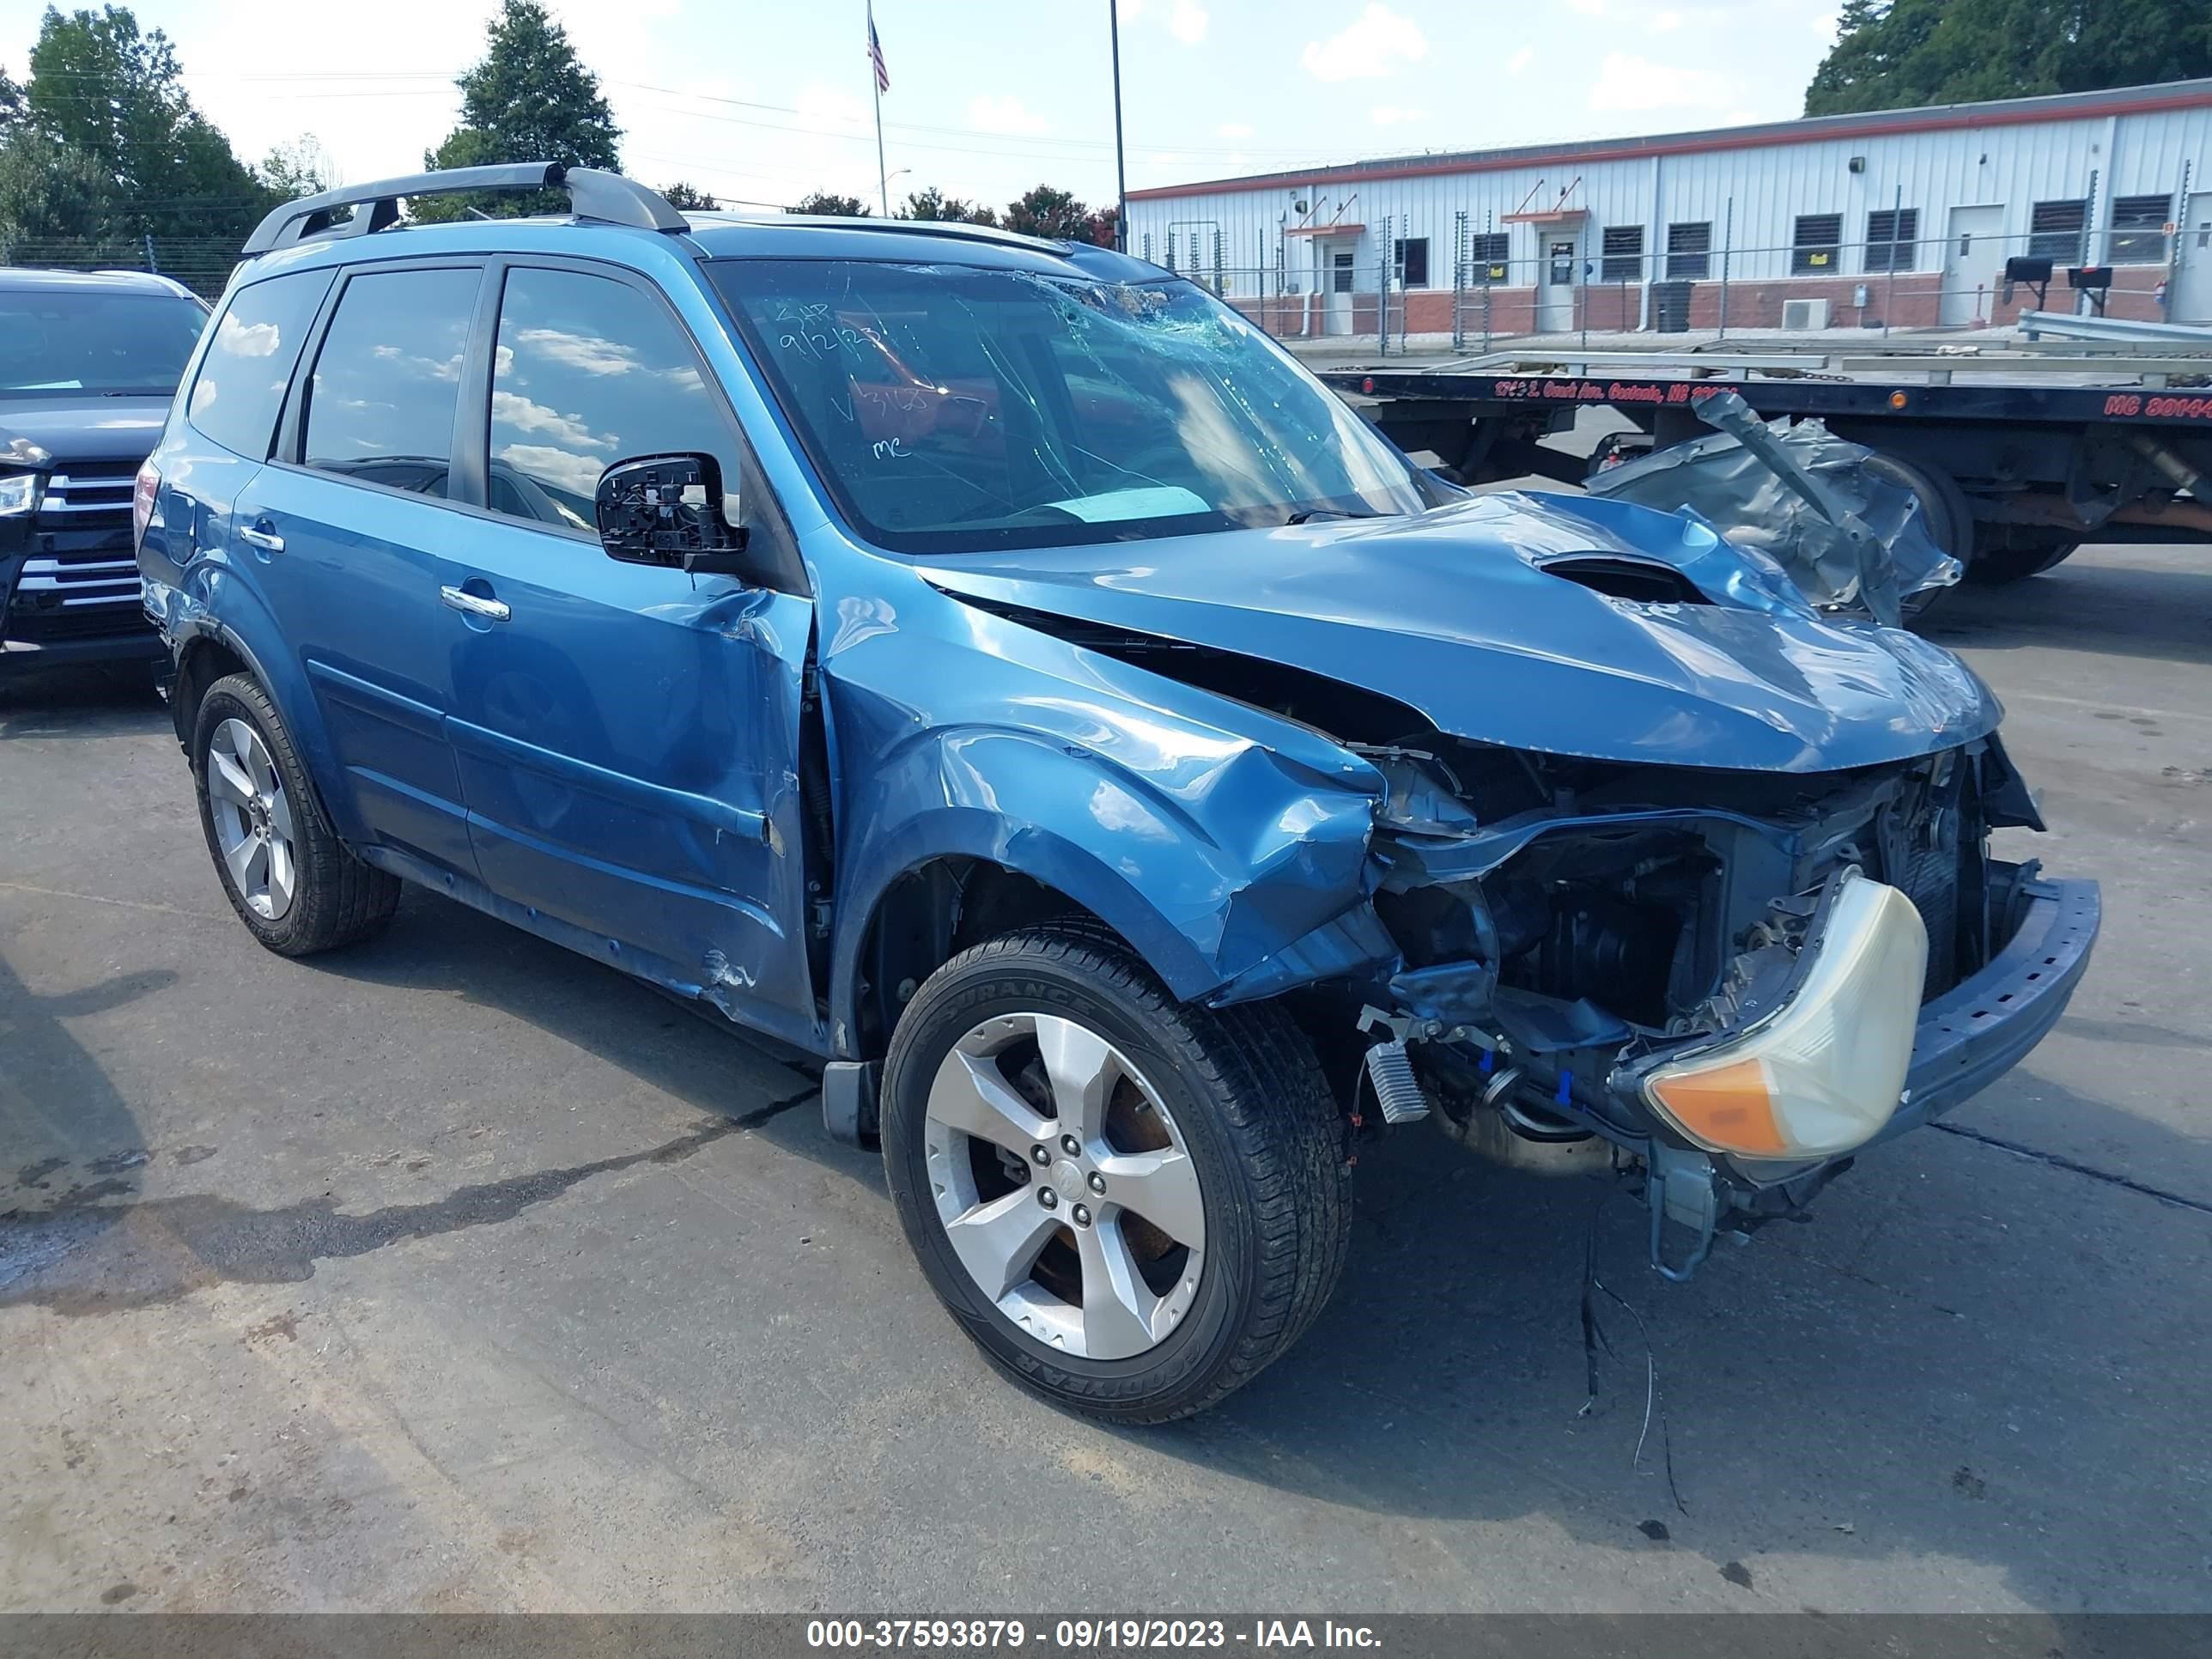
(1130, 1205)
(295, 884)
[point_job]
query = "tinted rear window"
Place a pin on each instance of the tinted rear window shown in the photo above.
(84, 340)
(241, 382)
(388, 377)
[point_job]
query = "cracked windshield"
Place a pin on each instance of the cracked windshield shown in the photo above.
(953, 408)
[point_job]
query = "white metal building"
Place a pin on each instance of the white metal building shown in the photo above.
(1905, 216)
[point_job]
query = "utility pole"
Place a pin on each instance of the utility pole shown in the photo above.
(1120, 170)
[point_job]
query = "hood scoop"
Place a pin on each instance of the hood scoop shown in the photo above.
(1644, 582)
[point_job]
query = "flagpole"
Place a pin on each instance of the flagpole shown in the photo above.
(876, 85)
(1121, 173)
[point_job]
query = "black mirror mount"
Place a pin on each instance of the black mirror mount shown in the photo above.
(668, 510)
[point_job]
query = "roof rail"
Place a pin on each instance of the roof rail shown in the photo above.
(592, 194)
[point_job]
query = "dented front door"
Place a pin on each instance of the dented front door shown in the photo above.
(627, 735)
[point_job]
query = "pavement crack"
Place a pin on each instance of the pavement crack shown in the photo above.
(91, 1259)
(2058, 1161)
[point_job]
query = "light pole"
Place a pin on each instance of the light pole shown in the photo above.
(1120, 170)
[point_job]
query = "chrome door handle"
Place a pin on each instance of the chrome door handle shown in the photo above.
(267, 540)
(457, 598)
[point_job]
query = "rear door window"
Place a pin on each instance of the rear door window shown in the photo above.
(387, 379)
(240, 387)
(589, 371)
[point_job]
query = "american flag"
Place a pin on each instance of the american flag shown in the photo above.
(875, 54)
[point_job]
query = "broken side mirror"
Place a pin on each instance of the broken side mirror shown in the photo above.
(670, 510)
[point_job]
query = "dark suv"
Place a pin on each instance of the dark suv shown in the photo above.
(88, 362)
(995, 667)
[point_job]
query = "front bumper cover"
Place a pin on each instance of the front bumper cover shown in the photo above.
(1983, 1027)
(1965, 1040)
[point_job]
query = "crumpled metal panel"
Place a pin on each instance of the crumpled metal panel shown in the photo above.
(1803, 497)
(1209, 834)
(1456, 615)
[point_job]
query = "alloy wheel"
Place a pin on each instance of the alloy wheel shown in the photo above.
(252, 819)
(1064, 1186)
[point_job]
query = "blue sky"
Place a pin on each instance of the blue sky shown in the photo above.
(764, 101)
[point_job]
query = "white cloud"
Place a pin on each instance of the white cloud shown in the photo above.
(1371, 46)
(588, 352)
(1234, 130)
(246, 339)
(1520, 60)
(1628, 82)
(1004, 112)
(1589, 8)
(1393, 115)
(1663, 23)
(1186, 20)
(579, 474)
(524, 416)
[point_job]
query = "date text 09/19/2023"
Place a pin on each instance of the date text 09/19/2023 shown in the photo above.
(1087, 1635)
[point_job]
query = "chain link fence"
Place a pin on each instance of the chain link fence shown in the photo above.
(1700, 291)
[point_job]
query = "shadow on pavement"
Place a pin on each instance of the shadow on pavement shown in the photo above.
(1905, 1375)
(2149, 602)
(80, 702)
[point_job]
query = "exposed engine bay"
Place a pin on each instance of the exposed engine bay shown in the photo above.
(1557, 929)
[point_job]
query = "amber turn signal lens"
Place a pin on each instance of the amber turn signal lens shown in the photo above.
(1823, 1073)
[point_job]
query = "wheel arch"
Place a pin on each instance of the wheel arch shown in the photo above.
(924, 908)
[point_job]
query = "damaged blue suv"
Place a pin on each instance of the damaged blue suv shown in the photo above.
(994, 668)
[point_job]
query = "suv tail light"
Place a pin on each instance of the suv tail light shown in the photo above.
(143, 490)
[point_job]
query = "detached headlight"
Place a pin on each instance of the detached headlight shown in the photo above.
(19, 494)
(1822, 1074)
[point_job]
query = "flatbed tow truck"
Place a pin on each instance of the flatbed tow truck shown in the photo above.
(2019, 452)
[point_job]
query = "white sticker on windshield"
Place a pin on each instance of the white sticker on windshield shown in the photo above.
(1160, 501)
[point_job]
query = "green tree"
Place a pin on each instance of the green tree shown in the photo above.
(1102, 227)
(57, 204)
(1901, 54)
(11, 106)
(529, 98)
(1052, 214)
(113, 95)
(825, 205)
(935, 207)
(301, 167)
(686, 198)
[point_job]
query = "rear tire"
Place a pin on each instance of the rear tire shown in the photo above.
(1059, 1030)
(2005, 554)
(1950, 519)
(295, 884)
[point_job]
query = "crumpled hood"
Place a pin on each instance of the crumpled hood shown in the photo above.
(1456, 614)
(82, 428)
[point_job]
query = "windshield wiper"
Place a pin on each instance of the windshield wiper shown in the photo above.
(1306, 514)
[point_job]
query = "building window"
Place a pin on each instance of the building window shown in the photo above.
(1412, 259)
(1890, 235)
(2138, 235)
(1812, 250)
(1621, 254)
(1689, 250)
(1487, 257)
(2055, 231)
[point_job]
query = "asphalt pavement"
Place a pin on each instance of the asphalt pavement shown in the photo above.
(457, 1272)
